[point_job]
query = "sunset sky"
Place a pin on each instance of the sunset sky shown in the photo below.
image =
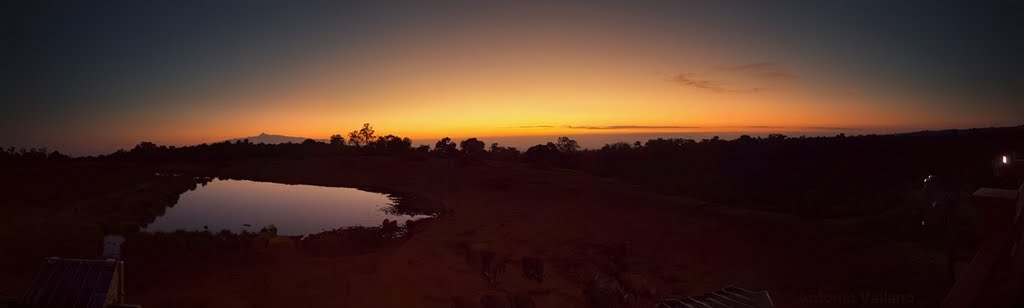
(88, 77)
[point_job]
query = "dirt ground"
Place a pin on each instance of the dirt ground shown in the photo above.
(514, 236)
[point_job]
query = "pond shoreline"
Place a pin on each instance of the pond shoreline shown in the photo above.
(238, 205)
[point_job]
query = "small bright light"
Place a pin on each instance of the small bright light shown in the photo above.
(1006, 160)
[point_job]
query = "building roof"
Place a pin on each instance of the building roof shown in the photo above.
(729, 297)
(75, 283)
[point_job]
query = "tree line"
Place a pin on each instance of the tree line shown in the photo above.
(822, 176)
(30, 155)
(363, 141)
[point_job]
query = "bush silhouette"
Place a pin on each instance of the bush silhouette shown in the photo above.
(471, 146)
(337, 139)
(445, 146)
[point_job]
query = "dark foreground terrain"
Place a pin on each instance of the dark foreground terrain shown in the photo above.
(822, 221)
(507, 233)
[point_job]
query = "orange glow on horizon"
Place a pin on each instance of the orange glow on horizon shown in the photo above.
(500, 103)
(494, 80)
(501, 70)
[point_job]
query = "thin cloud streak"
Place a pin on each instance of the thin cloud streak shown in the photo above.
(798, 127)
(623, 127)
(690, 80)
(610, 127)
(762, 70)
(766, 72)
(629, 127)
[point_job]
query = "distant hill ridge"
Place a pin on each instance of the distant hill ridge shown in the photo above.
(272, 139)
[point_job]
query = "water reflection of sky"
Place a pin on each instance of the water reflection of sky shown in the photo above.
(293, 209)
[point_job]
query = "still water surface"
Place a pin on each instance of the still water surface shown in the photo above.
(238, 205)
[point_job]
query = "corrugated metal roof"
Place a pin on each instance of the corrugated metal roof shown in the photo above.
(75, 283)
(729, 297)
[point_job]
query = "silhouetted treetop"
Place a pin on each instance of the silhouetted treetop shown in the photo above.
(391, 143)
(503, 153)
(337, 139)
(445, 146)
(362, 136)
(618, 146)
(471, 145)
(144, 146)
(13, 154)
(567, 145)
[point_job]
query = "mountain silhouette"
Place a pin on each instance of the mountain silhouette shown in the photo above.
(271, 139)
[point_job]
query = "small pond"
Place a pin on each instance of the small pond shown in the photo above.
(241, 205)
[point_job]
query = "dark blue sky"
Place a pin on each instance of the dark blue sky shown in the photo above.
(87, 70)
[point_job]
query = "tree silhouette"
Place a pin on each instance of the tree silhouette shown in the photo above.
(618, 146)
(543, 153)
(32, 154)
(363, 136)
(337, 139)
(503, 153)
(145, 146)
(471, 146)
(391, 143)
(567, 145)
(445, 146)
(367, 133)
